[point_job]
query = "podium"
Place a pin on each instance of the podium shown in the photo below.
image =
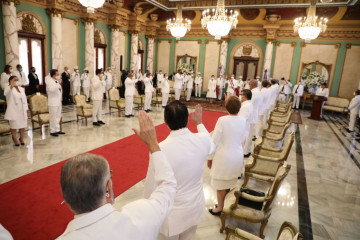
(316, 107)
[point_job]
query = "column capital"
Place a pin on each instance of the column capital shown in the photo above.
(271, 30)
(150, 36)
(7, 2)
(154, 17)
(134, 32)
(115, 27)
(55, 12)
(88, 20)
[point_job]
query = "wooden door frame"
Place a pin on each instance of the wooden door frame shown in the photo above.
(97, 46)
(246, 60)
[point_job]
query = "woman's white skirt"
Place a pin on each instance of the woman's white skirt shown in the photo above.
(18, 124)
(221, 184)
(211, 94)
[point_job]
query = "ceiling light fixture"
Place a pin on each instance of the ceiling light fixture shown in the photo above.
(219, 21)
(178, 26)
(311, 26)
(92, 4)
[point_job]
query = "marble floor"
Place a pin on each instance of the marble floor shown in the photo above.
(330, 157)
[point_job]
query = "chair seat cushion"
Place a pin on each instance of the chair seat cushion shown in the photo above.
(44, 118)
(4, 128)
(333, 108)
(242, 211)
(88, 112)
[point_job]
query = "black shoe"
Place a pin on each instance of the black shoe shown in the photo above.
(54, 134)
(247, 155)
(215, 213)
(254, 138)
(22, 143)
(16, 145)
(163, 106)
(348, 130)
(131, 115)
(240, 177)
(60, 132)
(128, 116)
(147, 110)
(96, 124)
(101, 122)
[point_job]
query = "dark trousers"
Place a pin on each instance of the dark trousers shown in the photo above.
(66, 93)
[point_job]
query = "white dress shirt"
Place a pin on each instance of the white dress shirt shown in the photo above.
(165, 87)
(190, 82)
(265, 101)
(322, 92)
(148, 85)
(108, 78)
(228, 158)
(130, 87)
(160, 79)
(298, 90)
(97, 88)
(198, 80)
(16, 104)
(186, 152)
(179, 81)
(21, 76)
(86, 80)
(75, 78)
(246, 111)
(138, 220)
(285, 88)
(54, 91)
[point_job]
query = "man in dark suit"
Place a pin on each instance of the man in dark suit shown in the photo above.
(34, 84)
(65, 76)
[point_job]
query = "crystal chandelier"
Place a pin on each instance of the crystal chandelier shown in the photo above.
(219, 21)
(178, 27)
(311, 26)
(92, 4)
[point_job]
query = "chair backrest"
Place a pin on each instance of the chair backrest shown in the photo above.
(263, 167)
(137, 93)
(337, 101)
(289, 232)
(80, 100)
(287, 146)
(279, 177)
(38, 103)
(114, 94)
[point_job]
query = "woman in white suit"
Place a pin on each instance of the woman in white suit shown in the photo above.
(16, 111)
(227, 163)
(211, 94)
(165, 90)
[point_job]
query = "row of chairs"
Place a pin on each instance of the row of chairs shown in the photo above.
(264, 173)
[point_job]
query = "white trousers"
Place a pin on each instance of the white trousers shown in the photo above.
(55, 116)
(296, 101)
(177, 94)
(198, 90)
(165, 98)
(87, 92)
(76, 90)
(220, 93)
(97, 111)
(265, 117)
(259, 126)
(129, 100)
(148, 98)
(189, 234)
(282, 97)
(188, 96)
(321, 112)
(247, 147)
(352, 121)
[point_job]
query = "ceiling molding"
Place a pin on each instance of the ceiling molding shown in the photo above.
(195, 5)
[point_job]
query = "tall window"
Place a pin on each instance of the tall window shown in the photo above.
(100, 56)
(31, 53)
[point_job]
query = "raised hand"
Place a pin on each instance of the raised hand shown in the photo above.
(147, 132)
(197, 115)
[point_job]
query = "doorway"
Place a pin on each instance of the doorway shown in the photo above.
(245, 67)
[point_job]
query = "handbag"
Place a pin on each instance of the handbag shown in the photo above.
(249, 203)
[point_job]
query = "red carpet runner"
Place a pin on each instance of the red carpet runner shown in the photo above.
(30, 205)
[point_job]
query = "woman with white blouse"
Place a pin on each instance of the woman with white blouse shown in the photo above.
(211, 93)
(227, 163)
(5, 77)
(16, 111)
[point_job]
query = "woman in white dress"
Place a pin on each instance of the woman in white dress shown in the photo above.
(16, 111)
(165, 90)
(211, 93)
(227, 163)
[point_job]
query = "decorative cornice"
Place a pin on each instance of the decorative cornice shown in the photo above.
(7, 2)
(348, 45)
(132, 32)
(149, 36)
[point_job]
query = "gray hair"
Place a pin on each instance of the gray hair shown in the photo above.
(83, 182)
